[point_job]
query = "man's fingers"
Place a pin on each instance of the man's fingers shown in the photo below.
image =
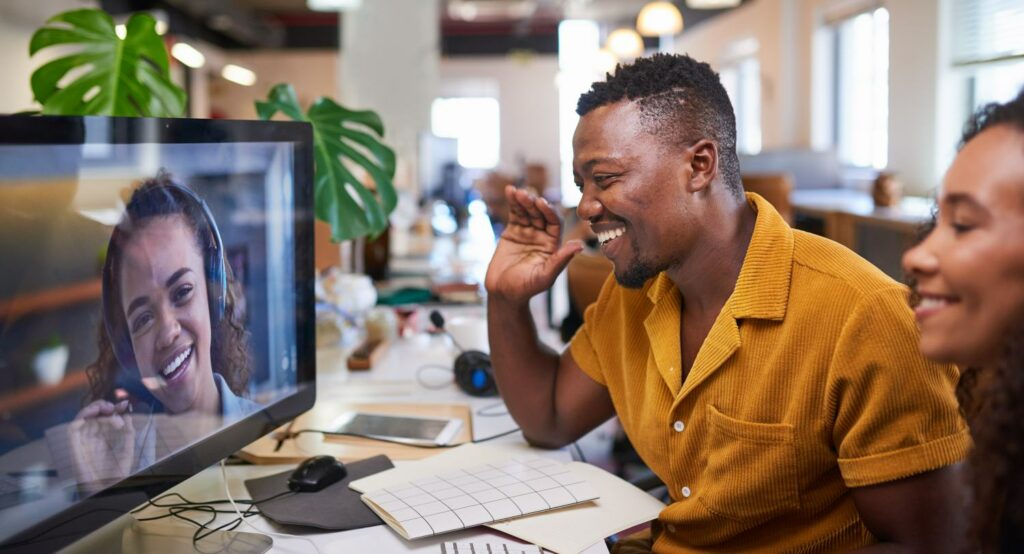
(550, 216)
(561, 258)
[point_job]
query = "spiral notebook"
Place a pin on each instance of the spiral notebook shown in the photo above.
(479, 495)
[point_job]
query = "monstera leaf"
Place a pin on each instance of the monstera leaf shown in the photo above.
(342, 137)
(112, 76)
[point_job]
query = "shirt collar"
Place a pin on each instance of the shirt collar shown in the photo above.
(762, 289)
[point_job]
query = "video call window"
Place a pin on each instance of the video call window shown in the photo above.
(147, 300)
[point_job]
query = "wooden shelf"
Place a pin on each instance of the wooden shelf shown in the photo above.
(17, 401)
(51, 299)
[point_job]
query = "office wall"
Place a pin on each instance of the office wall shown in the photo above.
(528, 101)
(313, 73)
(18, 20)
(772, 24)
(784, 30)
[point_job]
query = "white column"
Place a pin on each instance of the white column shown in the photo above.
(390, 61)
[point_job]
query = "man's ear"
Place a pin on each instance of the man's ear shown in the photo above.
(703, 163)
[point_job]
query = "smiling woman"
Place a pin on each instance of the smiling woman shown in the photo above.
(170, 336)
(968, 278)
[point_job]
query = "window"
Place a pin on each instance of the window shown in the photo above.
(861, 84)
(742, 81)
(474, 123)
(988, 48)
(850, 103)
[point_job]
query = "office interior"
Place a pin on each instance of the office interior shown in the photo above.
(848, 113)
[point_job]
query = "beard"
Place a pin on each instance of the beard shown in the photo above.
(639, 271)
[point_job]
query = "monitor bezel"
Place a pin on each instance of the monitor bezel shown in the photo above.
(85, 516)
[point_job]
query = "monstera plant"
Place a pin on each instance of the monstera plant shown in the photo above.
(115, 76)
(129, 76)
(341, 134)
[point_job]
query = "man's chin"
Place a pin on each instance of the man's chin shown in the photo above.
(634, 277)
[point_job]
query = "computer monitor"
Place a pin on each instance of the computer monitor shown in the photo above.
(156, 308)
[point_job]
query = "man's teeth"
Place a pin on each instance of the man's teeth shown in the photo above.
(930, 302)
(605, 236)
(176, 362)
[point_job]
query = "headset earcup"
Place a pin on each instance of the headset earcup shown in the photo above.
(473, 374)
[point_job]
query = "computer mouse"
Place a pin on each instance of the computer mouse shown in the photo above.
(317, 473)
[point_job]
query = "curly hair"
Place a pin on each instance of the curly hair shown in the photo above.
(992, 402)
(680, 99)
(230, 352)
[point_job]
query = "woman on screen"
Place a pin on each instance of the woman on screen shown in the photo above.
(968, 276)
(170, 329)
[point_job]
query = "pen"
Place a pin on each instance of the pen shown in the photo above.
(284, 436)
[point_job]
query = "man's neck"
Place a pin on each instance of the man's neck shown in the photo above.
(707, 278)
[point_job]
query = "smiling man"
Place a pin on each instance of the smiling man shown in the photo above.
(769, 377)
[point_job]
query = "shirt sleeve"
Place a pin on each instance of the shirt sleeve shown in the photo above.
(895, 413)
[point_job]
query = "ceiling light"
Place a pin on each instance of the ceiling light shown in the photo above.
(605, 61)
(186, 54)
(238, 74)
(334, 5)
(711, 4)
(161, 27)
(625, 43)
(659, 18)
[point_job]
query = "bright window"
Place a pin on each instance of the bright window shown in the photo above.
(861, 79)
(742, 81)
(474, 123)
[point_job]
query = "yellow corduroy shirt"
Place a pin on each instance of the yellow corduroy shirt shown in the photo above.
(810, 382)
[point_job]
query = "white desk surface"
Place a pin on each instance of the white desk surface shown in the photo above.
(393, 380)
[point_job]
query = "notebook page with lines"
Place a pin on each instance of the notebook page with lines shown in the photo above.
(479, 495)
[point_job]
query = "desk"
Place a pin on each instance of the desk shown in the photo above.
(394, 381)
(850, 217)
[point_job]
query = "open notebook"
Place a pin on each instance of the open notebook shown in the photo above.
(479, 495)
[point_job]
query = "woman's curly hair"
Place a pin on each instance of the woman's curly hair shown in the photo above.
(230, 340)
(992, 402)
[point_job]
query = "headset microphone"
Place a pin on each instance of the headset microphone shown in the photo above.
(473, 373)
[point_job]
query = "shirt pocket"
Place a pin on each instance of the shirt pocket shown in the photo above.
(751, 472)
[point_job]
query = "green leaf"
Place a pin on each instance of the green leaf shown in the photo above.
(343, 138)
(129, 77)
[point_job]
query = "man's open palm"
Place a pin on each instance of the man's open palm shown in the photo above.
(528, 257)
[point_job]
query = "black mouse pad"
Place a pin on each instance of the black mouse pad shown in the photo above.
(336, 508)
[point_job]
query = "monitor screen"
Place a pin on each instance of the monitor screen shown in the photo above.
(156, 308)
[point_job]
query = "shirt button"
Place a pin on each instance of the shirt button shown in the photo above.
(678, 426)
(686, 492)
(671, 528)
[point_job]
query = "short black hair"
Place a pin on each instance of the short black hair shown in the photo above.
(680, 99)
(1010, 113)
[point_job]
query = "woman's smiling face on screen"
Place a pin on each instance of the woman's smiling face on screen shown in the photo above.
(167, 312)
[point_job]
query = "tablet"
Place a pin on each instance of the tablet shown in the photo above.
(407, 429)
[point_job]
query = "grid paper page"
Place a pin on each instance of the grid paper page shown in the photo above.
(484, 494)
(478, 547)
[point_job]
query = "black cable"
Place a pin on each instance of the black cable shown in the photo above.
(203, 529)
(294, 434)
(579, 452)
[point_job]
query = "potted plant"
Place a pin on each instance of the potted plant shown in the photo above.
(130, 76)
(50, 360)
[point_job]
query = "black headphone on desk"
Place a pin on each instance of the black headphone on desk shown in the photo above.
(473, 373)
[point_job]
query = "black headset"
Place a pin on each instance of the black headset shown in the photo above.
(473, 373)
(155, 201)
